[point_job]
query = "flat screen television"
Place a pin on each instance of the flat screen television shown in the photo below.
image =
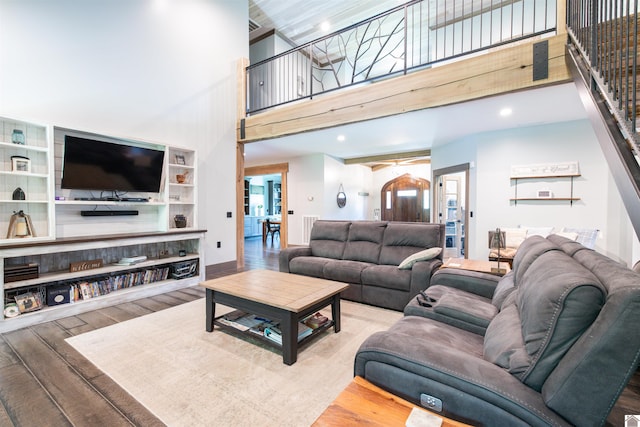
(89, 164)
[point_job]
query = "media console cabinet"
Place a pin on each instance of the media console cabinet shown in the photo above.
(163, 251)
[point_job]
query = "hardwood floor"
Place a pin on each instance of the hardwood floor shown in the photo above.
(45, 382)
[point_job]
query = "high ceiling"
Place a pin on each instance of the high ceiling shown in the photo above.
(415, 132)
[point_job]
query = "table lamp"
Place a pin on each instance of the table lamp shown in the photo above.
(498, 240)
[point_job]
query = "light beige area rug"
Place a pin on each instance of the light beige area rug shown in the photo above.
(188, 377)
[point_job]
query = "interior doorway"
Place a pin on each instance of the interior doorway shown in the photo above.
(406, 198)
(451, 203)
(271, 199)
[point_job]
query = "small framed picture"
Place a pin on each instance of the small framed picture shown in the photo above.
(20, 164)
(180, 159)
(29, 301)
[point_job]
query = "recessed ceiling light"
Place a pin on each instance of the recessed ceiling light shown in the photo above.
(506, 112)
(325, 26)
(340, 138)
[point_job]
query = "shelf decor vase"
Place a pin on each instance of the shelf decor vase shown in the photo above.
(180, 221)
(17, 137)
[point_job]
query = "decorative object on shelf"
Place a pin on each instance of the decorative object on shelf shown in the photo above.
(17, 137)
(18, 194)
(85, 265)
(14, 273)
(20, 164)
(11, 310)
(544, 194)
(498, 240)
(29, 301)
(20, 225)
(182, 252)
(180, 221)
(341, 198)
(182, 178)
(57, 295)
(545, 170)
(180, 159)
(182, 270)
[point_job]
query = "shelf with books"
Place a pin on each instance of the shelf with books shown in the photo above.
(265, 330)
(175, 260)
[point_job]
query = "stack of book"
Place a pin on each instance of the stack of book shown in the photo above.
(268, 328)
(275, 334)
(316, 320)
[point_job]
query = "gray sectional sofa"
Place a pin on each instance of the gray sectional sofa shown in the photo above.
(366, 255)
(553, 342)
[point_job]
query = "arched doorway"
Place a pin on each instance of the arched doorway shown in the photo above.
(406, 198)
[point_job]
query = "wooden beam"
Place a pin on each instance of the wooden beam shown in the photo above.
(383, 157)
(239, 205)
(266, 169)
(502, 71)
(241, 111)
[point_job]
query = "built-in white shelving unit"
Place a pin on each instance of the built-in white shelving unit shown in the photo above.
(64, 236)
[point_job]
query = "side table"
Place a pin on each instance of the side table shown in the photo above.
(477, 265)
(362, 403)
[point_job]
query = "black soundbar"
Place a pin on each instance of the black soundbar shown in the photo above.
(107, 213)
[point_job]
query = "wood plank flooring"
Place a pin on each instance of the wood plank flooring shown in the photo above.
(45, 382)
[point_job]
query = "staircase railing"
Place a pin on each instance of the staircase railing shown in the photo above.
(412, 36)
(602, 53)
(605, 33)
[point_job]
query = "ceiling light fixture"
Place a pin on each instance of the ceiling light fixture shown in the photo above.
(505, 112)
(325, 26)
(340, 138)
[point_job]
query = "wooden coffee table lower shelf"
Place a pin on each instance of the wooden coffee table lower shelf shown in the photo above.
(362, 403)
(281, 297)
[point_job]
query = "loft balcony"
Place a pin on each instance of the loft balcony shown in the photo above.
(419, 55)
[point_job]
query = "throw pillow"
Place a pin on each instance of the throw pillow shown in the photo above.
(514, 236)
(425, 255)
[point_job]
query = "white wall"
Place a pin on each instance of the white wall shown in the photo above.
(493, 154)
(354, 179)
(154, 70)
(313, 184)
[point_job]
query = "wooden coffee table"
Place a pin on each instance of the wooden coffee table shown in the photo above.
(281, 297)
(362, 403)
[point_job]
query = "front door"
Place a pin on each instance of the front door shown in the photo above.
(406, 198)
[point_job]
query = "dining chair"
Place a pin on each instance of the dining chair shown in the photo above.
(272, 229)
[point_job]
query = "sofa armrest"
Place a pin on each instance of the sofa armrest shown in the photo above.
(287, 254)
(421, 275)
(475, 282)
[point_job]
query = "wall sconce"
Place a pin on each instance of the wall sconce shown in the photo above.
(20, 226)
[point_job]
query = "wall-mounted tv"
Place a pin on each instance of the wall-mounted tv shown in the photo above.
(90, 164)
